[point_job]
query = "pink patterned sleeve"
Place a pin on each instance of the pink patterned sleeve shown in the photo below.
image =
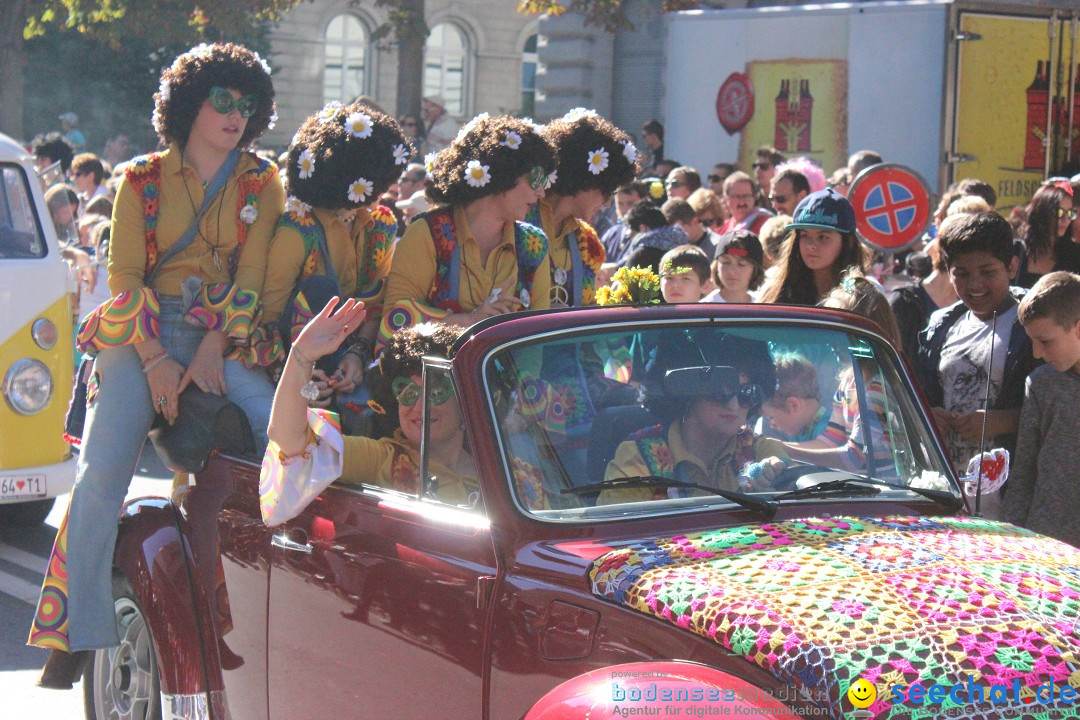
(287, 485)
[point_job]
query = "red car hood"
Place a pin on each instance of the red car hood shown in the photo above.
(898, 601)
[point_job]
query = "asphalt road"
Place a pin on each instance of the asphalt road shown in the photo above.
(23, 557)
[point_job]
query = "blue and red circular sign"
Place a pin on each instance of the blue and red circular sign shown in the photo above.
(892, 206)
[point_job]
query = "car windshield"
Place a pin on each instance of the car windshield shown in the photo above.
(613, 422)
(20, 231)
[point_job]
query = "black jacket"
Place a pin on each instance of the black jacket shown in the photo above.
(1019, 362)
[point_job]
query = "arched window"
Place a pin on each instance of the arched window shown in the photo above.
(529, 61)
(345, 70)
(446, 66)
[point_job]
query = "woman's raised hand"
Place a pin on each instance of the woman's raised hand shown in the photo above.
(325, 332)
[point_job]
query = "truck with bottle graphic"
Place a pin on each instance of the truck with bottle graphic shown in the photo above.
(951, 88)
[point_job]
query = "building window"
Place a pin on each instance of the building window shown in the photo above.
(529, 61)
(345, 59)
(446, 58)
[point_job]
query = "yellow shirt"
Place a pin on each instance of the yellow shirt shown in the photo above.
(558, 247)
(413, 269)
(288, 255)
(628, 462)
(180, 193)
(394, 463)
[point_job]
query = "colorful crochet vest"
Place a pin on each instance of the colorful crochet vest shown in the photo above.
(530, 245)
(586, 256)
(309, 229)
(653, 445)
(373, 259)
(144, 174)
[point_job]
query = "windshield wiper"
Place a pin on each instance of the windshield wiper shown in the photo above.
(946, 499)
(767, 508)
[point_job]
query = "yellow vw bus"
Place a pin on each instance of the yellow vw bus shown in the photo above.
(36, 353)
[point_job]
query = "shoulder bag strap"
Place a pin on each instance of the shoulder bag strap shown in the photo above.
(212, 191)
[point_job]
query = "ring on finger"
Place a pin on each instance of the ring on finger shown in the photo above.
(161, 400)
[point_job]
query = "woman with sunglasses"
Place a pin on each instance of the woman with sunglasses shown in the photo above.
(472, 257)
(414, 133)
(1047, 234)
(334, 237)
(706, 407)
(307, 449)
(185, 294)
(593, 158)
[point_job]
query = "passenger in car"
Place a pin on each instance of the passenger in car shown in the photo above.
(843, 443)
(471, 257)
(308, 450)
(334, 237)
(705, 436)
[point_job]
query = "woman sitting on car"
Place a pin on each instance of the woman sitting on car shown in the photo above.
(307, 449)
(704, 437)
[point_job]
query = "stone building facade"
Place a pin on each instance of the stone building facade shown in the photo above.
(480, 56)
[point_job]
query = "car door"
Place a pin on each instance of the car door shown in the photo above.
(376, 608)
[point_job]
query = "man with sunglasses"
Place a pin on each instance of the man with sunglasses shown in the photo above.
(788, 189)
(767, 158)
(682, 182)
(87, 174)
(705, 435)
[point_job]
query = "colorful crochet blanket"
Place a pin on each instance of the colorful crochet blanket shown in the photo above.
(902, 602)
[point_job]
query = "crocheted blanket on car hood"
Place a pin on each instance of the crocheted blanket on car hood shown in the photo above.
(898, 601)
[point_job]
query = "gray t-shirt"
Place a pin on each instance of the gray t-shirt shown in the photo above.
(965, 358)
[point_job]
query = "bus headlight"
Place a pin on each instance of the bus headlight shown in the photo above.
(44, 333)
(28, 385)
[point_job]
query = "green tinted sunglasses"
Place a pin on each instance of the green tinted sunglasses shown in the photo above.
(408, 393)
(537, 177)
(223, 101)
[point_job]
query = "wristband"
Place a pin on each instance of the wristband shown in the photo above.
(152, 359)
(154, 362)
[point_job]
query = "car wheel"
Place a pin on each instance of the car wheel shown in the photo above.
(26, 514)
(121, 683)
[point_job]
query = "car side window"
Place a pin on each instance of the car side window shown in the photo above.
(20, 230)
(447, 468)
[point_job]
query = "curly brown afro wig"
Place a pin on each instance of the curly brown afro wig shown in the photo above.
(187, 82)
(372, 147)
(507, 146)
(579, 138)
(401, 358)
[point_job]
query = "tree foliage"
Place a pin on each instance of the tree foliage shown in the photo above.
(607, 14)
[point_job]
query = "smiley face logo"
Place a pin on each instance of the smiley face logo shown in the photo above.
(862, 693)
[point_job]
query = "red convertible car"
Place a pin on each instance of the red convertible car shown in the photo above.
(608, 559)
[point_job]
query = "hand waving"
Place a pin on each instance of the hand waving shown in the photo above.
(325, 332)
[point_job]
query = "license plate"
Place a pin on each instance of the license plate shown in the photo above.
(12, 486)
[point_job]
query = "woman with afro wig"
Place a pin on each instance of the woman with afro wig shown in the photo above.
(190, 233)
(593, 159)
(307, 450)
(472, 257)
(334, 238)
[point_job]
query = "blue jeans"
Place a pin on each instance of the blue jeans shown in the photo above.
(117, 423)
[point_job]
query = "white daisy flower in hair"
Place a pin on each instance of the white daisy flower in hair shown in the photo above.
(477, 175)
(429, 162)
(551, 179)
(329, 111)
(359, 190)
(598, 161)
(297, 207)
(512, 141)
(401, 155)
(272, 122)
(467, 127)
(578, 113)
(359, 125)
(629, 152)
(306, 164)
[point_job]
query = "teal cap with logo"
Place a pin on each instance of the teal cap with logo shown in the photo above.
(824, 210)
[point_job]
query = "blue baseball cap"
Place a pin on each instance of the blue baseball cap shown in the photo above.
(824, 210)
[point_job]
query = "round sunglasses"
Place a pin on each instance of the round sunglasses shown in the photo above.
(223, 102)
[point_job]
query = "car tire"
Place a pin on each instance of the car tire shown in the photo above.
(25, 514)
(121, 683)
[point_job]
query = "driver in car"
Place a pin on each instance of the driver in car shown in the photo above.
(705, 437)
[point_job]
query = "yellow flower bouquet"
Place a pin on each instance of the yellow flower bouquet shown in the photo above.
(630, 286)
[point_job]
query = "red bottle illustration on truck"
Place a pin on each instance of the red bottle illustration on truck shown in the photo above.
(794, 113)
(1040, 107)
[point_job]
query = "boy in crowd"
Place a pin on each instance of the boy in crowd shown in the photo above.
(1043, 492)
(684, 274)
(794, 412)
(955, 348)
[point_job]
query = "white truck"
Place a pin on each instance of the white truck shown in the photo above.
(950, 88)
